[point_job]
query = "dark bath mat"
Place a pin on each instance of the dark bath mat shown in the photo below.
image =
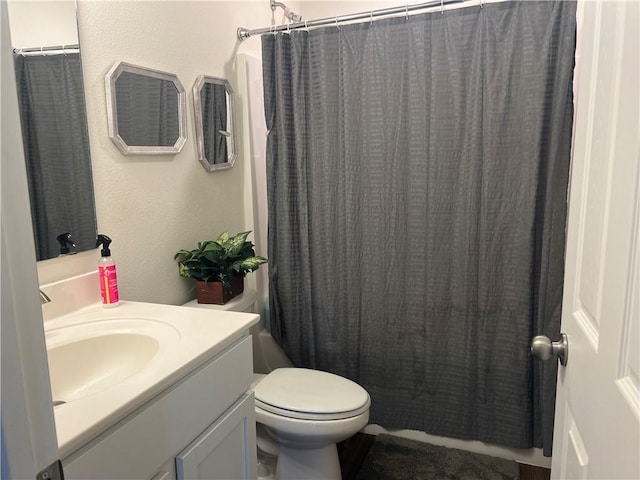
(394, 458)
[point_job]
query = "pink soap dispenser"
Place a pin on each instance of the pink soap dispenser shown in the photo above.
(107, 274)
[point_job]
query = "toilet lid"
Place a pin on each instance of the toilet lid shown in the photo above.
(310, 394)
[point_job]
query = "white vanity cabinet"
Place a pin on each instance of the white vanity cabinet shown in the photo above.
(201, 427)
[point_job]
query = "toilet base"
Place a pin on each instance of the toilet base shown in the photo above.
(312, 464)
(266, 465)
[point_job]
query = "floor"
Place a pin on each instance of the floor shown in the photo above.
(353, 451)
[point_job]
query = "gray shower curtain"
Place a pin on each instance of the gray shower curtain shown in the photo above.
(56, 144)
(417, 181)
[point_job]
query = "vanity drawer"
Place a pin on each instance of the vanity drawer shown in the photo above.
(139, 444)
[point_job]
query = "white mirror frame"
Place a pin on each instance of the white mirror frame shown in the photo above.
(197, 110)
(112, 110)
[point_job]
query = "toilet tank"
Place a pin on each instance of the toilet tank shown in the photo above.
(267, 354)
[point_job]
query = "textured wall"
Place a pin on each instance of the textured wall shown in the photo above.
(42, 23)
(151, 206)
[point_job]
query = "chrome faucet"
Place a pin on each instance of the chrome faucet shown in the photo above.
(44, 298)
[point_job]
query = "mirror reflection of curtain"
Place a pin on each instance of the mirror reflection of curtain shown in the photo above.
(147, 110)
(417, 172)
(56, 144)
(214, 121)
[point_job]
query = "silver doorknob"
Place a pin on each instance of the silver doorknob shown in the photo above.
(544, 349)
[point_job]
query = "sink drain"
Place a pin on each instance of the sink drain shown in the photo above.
(58, 402)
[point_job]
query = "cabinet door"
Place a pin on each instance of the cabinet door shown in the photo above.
(226, 450)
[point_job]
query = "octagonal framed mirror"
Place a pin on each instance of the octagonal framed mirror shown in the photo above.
(146, 110)
(214, 109)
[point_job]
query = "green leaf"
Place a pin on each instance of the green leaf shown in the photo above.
(247, 250)
(181, 253)
(183, 270)
(252, 263)
(223, 237)
(235, 244)
(212, 257)
(212, 247)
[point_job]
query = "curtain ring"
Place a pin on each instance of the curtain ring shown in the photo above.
(42, 51)
(406, 11)
(306, 26)
(371, 18)
(337, 26)
(442, 7)
(481, 3)
(288, 28)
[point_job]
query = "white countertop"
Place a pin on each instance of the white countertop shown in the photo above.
(188, 337)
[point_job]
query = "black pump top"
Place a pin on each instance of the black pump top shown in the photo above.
(65, 242)
(105, 242)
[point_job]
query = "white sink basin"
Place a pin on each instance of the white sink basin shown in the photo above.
(90, 357)
(85, 366)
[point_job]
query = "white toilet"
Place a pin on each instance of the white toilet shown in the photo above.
(301, 414)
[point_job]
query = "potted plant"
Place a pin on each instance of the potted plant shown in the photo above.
(219, 266)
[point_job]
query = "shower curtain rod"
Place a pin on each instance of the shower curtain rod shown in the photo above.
(51, 50)
(244, 33)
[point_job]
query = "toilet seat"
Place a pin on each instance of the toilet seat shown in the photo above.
(310, 395)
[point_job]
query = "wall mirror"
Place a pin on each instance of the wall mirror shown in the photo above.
(146, 110)
(215, 123)
(53, 118)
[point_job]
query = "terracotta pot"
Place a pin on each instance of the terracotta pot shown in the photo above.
(214, 293)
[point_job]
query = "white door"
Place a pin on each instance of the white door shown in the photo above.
(29, 442)
(597, 424)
